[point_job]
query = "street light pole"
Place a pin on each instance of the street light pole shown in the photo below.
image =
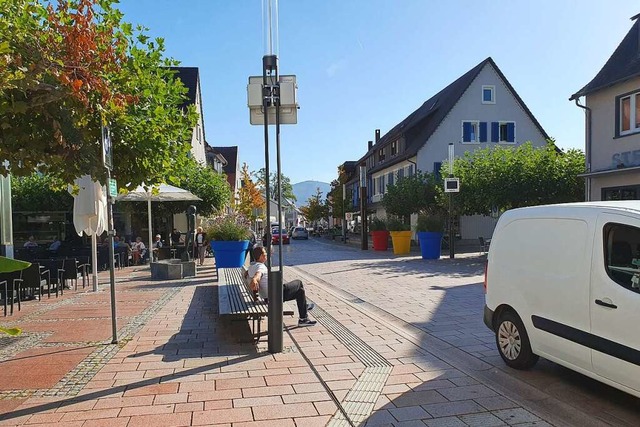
(452, 251)
(364, 243)
(344, 214)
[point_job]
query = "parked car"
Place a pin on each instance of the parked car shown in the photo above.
(563, 282)
(275, 237)
(300, 233)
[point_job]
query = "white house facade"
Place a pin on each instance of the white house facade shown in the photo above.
(480, 109)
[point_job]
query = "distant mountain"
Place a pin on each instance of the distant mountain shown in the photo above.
(306, 189)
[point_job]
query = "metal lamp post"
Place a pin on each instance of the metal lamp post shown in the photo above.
(364, 243)
(272, 98)
(344, 214)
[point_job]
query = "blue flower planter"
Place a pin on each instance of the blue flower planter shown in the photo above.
(430, 243)
(228, 253)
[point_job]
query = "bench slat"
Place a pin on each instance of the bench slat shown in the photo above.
(235, 297)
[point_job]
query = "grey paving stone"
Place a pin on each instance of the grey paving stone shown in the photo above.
(482, 420)
(409, 413)
(416, 398)
(515, 416)
(467, 392)
(453, 408)
(380, 418)
(497, 402)
(445, 422)
(412, 423)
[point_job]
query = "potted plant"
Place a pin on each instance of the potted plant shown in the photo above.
(400, 236)
(229, 239)
(429, 232)
(379, 234)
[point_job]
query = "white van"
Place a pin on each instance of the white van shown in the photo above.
(563, 282)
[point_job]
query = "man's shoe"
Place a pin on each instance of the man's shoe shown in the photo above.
(306, 322)
(310, 306)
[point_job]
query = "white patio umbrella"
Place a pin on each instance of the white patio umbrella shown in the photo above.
(157, 193)
(90, 216)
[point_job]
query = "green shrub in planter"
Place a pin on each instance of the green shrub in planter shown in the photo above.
(395, 224)
(377, 224)
(227, 227)
(432, 223)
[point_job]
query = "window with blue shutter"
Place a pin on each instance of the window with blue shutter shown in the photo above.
(390, 179)
(410, 170)
(495, 131)
(436, 169)
(511, 132)
(466, 131)
(483, 131)
(400, 173)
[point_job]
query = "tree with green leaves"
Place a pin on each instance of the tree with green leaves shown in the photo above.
(69, 67)
(513, 177)
(316, 208)
(37, 193)
(285, 184)
(204, 182)
(418, 193)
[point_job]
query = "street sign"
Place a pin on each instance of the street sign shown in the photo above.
(452, 185)
(107, 153)
(113, 187)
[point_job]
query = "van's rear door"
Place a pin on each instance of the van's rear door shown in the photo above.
(615, 300)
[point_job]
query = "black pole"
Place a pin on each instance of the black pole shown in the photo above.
(274, 315)
(112, 273)
(452, 237)
(364, 243)
(344, 215)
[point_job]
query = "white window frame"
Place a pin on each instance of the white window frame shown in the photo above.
(476, 124)
(633, 120)
(500, 140)
(493, 94)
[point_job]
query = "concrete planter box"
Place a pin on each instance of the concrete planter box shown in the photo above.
(171, 269)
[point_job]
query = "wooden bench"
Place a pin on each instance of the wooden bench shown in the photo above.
(236, 299)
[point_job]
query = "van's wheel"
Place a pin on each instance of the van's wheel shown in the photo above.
(513, 342)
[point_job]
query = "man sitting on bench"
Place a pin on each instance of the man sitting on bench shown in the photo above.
(293, 290)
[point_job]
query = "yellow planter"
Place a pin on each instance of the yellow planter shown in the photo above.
(401, 242)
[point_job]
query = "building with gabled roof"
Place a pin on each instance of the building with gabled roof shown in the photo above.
(477, 110)
(190, 78)
(612, 115)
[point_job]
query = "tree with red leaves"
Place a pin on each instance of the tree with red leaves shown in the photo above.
(66, 70)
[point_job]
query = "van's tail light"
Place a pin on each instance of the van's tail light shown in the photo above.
(486, 268)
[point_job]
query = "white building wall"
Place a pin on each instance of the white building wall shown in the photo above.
(197, 138)
(468, 108)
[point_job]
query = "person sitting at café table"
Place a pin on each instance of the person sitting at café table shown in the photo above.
(157, 244)
(139, 250)
(175, 237)
(53, 247)
(31, 243)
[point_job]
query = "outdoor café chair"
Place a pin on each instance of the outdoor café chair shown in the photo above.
(12, 281)
(37, 277)
(72, 272)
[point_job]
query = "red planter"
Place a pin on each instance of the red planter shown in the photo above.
(380, 240)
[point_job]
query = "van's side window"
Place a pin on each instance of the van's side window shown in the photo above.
(622, 255)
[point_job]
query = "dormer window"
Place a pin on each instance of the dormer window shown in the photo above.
(394, 148)
(381, 155)
(488, 94)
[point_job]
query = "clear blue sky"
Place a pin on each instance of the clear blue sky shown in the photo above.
(363, 65)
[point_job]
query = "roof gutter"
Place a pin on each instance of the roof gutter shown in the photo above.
(587, 150)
